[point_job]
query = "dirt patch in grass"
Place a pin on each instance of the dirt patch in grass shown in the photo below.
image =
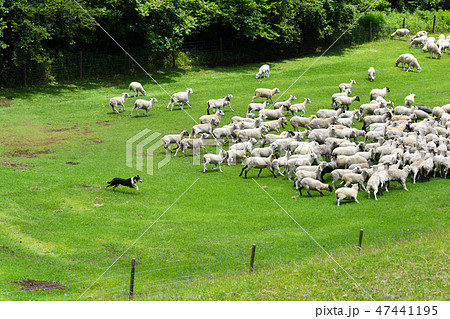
(104, 123)
(7, 250)
(26, 153)
(35, 285)
(6, 101)
(10, 163)
(72, 163)
(97, 141)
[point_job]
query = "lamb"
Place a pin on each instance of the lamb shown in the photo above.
(274, 114)
(418, 41)
(344, 86)
(344, 161)
(257, 133)
(192, 143)
(409, 100)
(180, 97)
(299, 107)
(378, 92)
(264, 71)
(263, 152)
(324, 113)
(420, 34)
(225, 131)
(173, 138)
(309, 183)
(399, 175)
(375, 184)
(434, 49)
(143, 104)
(136, 87)
(215, 118)
(219, 103)
(401, 33)
(247, 146)
(337, 173)
(347, 193)
(201, 128)
(275, 125)
(258, 162)
(319, 123)
(368, 120)
(354, 178)
(342, 101)
(120, 100)
(267, 93)
(234, 155)
(319, 135)
(371, 73)
(257, 106)
(286, 104)
(215, 159)
(335, 95)
(297, 121)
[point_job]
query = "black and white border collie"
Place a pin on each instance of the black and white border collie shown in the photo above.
(130, 182)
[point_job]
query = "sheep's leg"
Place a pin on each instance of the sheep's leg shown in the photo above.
(404, 185)
(307, 190)
(242, 171)
(189, 105)
(204, 167)
(273, 173)
(260, 170)
(338, 200)
(220, 169)
(300, 190)
(375, 193)
(363, 187)
(321, 194)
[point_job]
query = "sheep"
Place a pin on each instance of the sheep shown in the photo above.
(319, 135)
(446, 108)
(344, 86)
(347, 150)
(286, 104)
(143, 104)
(263, 152)
(215, 159)
(335, 95)
(443, 45)
(274, 114)
(300, 160)
(354, 178)
(215, 118)
(438, 112)
(219, 103)
(378, 92)
(258, 162)
(337, 173)
(136, 87)
(275, 125)
(257, 106)
(120, 100)
(371, 73)
(412, 64)
(201, 128)
(434, 49)
(272, 138)
(426, 167)
(344, 193)
(249, 117)
(313, 173)
(234, 155)
(247, 145)
(173, 138)
(420, 34)
(402, 110)
(399, 175)
(257, 133)
(373, 136)
(344, 161)
(297, 121)
(401, 33)
(402, 59)
(420, 115)
(299, 107)
(325, 113)
(281, 161)
(309, 183)
(319, 123)
(342, 101)
(429, 41)
(267, 93)
(193, 143)
(225, 131)
(375, 184)
(245, 125)
(409, 100)
(180, 97)
(417, 41)
(264, 71)
(345, 121)
(346, 133)
(370, 119)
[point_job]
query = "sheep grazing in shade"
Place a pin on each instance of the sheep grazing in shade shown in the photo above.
(409, 100)
(264, 71)
(401, 33)
(267, 93)
(347, 193)
(215, 159)
(173, 138)
(116, 101)
(143, 104)
(371, 73)
(181, 98)
(136, 87)
(309, 184)
(219, 103)
(378, 92)
(286, 104)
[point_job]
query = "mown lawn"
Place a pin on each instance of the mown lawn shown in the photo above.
(60, 143)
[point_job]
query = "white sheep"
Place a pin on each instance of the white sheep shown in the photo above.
(286, 104)
(434, 49)
(344, 193)
(219, 103)
(136, 87)
(267, 93)
(180, 97)
(374, 93)
(399, 175)
(257, 106)
(413, 64)
(371, 73)
(402, 59)
(234, 155)
(346, 92)
(173, 138)
(264, 71)
(298, 121)
(143, 104)
(225, 131)
(192, 143)
(319, 135)
(342, 101)
(214, 118)
(309, 183)
(116, 101)
(322, 123)
(259, 162)
(337, 174)
(201, 128)
(420, 34)
(274, 114)
(247, 145)
(215, 159)
(263, 151)
(299, 107)
(325, 113)
(256, 133)
(275, 125)
(400, 33)
(418, 41)
(409, 100)
(345, 86)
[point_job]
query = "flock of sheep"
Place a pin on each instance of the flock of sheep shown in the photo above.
(402, 141)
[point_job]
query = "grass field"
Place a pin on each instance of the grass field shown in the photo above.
(59, 145)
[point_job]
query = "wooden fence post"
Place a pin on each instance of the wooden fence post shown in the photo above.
(404, 22)
(133, 267)
(221, 48)
(434, 24)
(81, 65)
(252, 258)
(361, 233)
(370, 30)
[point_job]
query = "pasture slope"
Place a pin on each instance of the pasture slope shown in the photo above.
(58, 146)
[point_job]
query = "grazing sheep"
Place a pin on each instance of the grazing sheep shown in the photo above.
(267, 93)
(259, 162)
(180, 97)
(219, 103)
(299, 107)
(409, 100)
(418, 41)
(286, 104)
(298, 121)
(402, 59)
(215, 159)
(192, 143)
(274, 114)
(257, 106)
(120, 100)
(401, 33)
(215, 118)
(309, 183)
(420, 34)
(378, 92)
(345, 86)
(342, 101)
(136, 87)
(173, 138)
(434, 49)
(371, 73)
(344, 193)
(443, 45)
(143, 104)
(264, 71)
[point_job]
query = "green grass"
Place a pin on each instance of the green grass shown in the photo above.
(51, 231)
